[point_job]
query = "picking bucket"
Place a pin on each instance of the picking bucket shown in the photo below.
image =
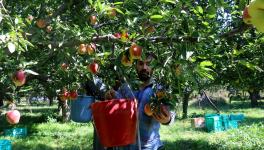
(80, 109)
(115, 121)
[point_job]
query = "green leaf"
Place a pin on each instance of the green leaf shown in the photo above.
(249, 65)
(168, 1)
(206, 63)
(156, 17)
(118, 3)
(199, 9)
(119, 11)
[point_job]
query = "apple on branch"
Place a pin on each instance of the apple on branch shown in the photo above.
(135, 51)
(93, 67)
(82, 49)
(19, 78)
(91, 48)
(13, 116)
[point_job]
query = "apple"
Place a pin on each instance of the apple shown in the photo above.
(93, 67)
(124, 35)
(48, 29)
(82, 49)
(64, 95)
(112, 12)
(91, 48)
(30, 17)
(13, 116)
(93, 20)
(41, 23)
(19, 78)
(64, 66)
(73, 95)
(117, 35)
(135, 51)
(126, 61)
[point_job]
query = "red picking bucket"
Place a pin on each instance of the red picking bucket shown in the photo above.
(115, 121)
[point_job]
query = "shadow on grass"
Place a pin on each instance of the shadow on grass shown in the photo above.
(189, 144)
(22, 146)
(251, 120)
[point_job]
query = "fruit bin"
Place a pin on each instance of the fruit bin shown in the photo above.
(16, 132)
(80, 109)
(115, 121)
(5, 144)
(213, 123)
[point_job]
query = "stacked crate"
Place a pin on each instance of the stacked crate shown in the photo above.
(221, 122)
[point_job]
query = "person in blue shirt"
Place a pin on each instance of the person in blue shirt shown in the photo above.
(149, 126)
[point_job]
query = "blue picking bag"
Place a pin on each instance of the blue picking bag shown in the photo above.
(80, 109)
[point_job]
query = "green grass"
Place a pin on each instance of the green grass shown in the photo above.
(45, 133)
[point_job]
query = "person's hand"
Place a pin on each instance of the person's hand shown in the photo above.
(163, 116)
(110, 94)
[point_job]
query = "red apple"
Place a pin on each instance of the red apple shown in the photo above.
(73, 95)
(41, 23)
(93, 20)
(117, 35)
(91, 48)
(13, 116)
(19, 78)
(64, 66)
(93, 67)
(82, 49)
(135, 51)
(64, 95)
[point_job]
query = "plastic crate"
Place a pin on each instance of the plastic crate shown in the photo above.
(213, 123)
(225, 121)
(16, 132)
(237, 117)
(5, 145)
(233, 124)
(198, 122)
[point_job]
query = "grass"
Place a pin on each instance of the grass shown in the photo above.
(45, 133)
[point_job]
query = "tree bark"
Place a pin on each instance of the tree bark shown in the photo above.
(185, 104)
(254, 97)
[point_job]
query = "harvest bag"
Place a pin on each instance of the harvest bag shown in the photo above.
(80, 109)
(115, 121)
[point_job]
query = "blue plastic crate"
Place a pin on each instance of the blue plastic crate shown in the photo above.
(213, 123)
(16, 132)
(233, 124)
(5, 145)
(237, 117)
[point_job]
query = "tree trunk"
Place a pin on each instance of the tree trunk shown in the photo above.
(1, 102)
(63, 109)
(254, 97)
(50, 100)
(185, 104)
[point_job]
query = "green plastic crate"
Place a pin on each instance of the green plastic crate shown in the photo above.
(213, 123)
(5, 145)
(16, 132)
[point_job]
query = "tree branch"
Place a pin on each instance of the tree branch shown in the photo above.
(238, 30)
